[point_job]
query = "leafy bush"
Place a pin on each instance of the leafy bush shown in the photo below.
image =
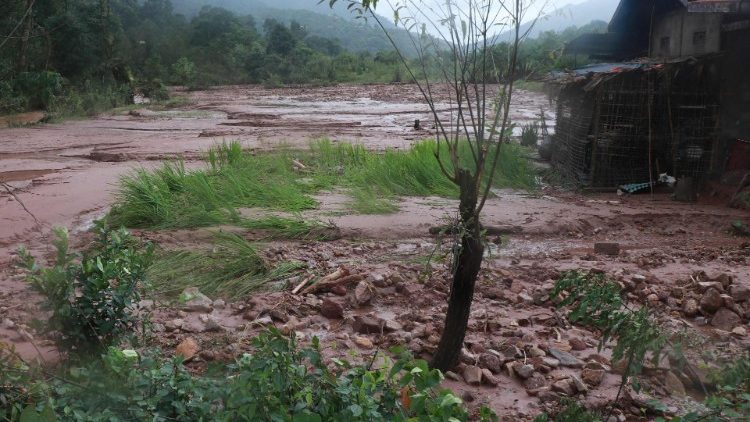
(530, 134)
(92, 300)
(278, 382)
(184, 71)
(40, 89)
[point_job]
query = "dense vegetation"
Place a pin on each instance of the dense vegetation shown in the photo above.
(91, 55)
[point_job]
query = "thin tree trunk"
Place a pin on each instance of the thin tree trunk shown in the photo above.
(24, 45)
(467, 265)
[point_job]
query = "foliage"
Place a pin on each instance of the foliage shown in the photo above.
(596, 302)
(79, 55)
(279, 381)
(232, 269)
(530, 134)
(91, 298)
(731, 400)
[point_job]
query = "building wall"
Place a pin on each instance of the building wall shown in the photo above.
(680, 34)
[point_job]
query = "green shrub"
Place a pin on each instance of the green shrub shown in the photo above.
(279, 381)
(184, 72)
(154, 90)
(91, 298)
(530, 134)
(40, 89)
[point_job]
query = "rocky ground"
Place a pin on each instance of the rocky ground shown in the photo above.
(390, 277)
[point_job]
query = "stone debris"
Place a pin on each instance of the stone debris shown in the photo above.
(565, 358)
(195, 301)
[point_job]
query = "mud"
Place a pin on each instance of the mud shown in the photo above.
(66, 175)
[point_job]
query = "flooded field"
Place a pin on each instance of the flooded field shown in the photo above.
(66, 174)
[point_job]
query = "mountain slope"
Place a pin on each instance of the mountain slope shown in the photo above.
(573, 15)
(320, 20)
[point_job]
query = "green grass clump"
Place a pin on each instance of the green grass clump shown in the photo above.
(376, 179)
(173, 197)
(232, 269)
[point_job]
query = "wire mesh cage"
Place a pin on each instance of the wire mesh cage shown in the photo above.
(629, 127)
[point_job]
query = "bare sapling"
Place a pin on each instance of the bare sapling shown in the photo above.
(458, 49)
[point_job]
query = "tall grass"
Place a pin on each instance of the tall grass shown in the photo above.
(232, 269)
(173, 197)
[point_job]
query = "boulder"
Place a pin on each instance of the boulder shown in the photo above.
(488, 378)
(363, 293)
(565, 358)
(363, 342)
(740, 293)
(368, 325)
(711, 301)
(607, 248)
(673, 384)
(331, 309)
(726, 320)
(491, 362)
(564, 386)
(592, 377)
(523, 371)
(472, 375)
(195, 301)
(690, 307)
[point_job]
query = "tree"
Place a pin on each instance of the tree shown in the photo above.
(477, 126)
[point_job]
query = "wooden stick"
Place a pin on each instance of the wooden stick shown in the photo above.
(325, 285)
(301, 285)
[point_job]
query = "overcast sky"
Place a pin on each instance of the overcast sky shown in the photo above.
(549, 6)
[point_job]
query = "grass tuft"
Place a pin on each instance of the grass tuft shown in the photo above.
(173, 197)
(232, 269)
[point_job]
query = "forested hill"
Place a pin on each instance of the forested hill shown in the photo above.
(319, 20)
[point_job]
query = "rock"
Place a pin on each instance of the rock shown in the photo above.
(339, 290)
(523, 371)
(564, 386)
(467, 357)
(705, 285)
(578, 385)
(264, 320)
(535, 352)
(368, 325)
(188, 348)
(607, 248)
(212, 324)
(740, 293)
(195, 301)
(690, 307)
(220, 304)
(592, 377)
(174, 324)
(472, 375)
(711, 301)
(510, 352)
(565, 358)
(536, 382)
(726, 320)
(8, 324)
(488, 378)
(578, 344)
(331, 309)
(674, 385)
(453, 376)
(653, 299)
(491, 362)
(467, 396)
(551, 362)
(363, 342)
(739, 331)
(363, 293)
(193, 327)
(279, 315)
